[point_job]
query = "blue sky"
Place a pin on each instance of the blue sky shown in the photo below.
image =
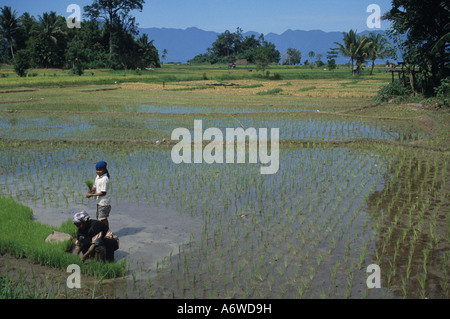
(262, 16)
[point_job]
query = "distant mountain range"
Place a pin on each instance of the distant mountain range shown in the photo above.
(184, 44)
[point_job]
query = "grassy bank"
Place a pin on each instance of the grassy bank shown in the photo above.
(22, 237)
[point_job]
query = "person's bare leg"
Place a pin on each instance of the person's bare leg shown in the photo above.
(101, 256)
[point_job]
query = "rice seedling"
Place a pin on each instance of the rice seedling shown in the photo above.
(89, 183)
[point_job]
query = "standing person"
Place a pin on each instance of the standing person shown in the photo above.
(101, 190)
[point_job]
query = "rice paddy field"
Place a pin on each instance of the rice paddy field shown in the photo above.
(358, 183)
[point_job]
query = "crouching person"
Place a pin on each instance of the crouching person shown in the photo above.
(94, 239)
(111, 244)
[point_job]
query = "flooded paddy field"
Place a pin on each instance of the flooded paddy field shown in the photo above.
(352, 190)
(298, 126)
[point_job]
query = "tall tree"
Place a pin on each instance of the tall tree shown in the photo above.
(86, 47)
(378, 48)
(224, 44)
(248, 48)
(443, 41)
(266, 54)
(51, 27)
(25, 34)
(423, 25)
(319, 60)
(50, 40)
(116, 16)
(354, 47)
(311, 55)
(9, 26)
(147, 53)
(293, 56)
(331, 58)
(231, 46)
(164, 55)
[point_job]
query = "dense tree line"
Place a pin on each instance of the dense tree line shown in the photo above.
(230, 47)
(108, 38)
(421, 31)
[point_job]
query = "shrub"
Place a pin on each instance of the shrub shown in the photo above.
(270, 92)
(21, 63)
(78, 69)
(443, 91)
(393, 90)
(309, 88)
(276, 77)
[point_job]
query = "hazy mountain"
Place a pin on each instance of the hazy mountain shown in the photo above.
(181, 44)
(184, 44)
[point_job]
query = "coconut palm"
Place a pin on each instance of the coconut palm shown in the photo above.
(9, 26)
(147, 53)
(354, 46)
(51, 27)
(48, 32)
(311, 55)
(378, 48)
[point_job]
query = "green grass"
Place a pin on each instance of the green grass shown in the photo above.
(171, 73)
(270, 92)
(309, 88)
(24, 238)
(251, 86)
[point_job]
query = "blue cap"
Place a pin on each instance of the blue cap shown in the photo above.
(100, 165)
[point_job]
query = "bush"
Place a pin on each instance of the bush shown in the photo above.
(443, 91)
(391, 91)
(78, 69)
(22, 63)
(270, 92)
(276, 77)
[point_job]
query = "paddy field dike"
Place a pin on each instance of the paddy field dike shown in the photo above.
(359, 184)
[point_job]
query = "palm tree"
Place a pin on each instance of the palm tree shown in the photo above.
(148, 55)
(50, 29)
(9, 26)
(164, 54)
(378, 48)
(311, 55)
(354, 47)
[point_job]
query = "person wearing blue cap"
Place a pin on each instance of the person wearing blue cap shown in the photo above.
(101, 190)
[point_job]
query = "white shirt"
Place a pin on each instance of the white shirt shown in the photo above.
(102, 184)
